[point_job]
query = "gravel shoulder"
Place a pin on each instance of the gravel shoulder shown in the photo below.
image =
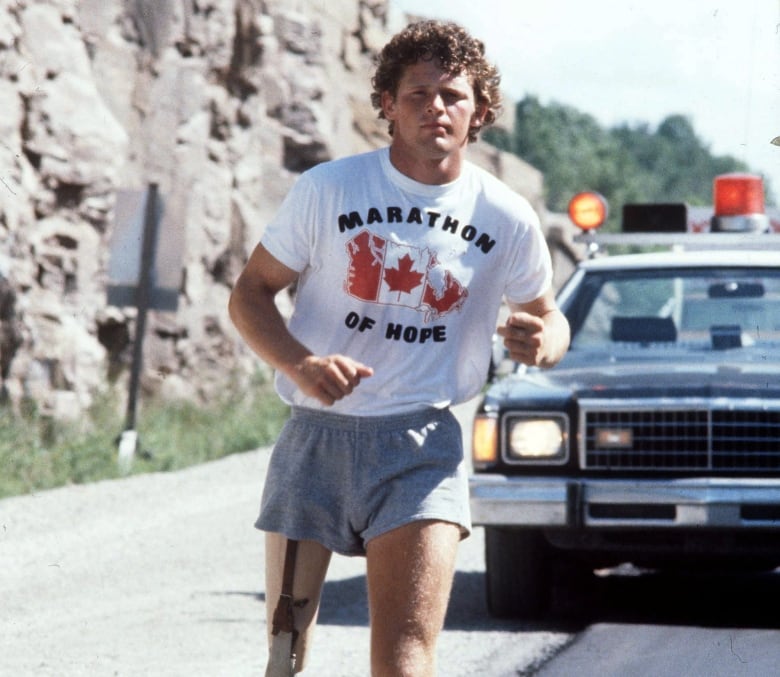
(161, 574)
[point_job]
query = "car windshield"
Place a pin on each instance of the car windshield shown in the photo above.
(682, 308)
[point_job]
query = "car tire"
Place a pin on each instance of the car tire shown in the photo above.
(518, 574)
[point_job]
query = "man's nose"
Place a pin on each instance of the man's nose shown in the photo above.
(435, 103)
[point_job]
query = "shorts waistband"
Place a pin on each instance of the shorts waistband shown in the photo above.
(346, 422)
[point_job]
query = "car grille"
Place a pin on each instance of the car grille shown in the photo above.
(696, 437)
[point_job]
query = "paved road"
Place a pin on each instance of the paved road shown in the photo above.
(161, 575)
(655, 624)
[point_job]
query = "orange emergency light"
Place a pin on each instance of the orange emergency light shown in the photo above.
(588, 210)
(484, 440)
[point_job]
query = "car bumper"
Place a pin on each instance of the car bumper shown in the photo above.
(498, 500)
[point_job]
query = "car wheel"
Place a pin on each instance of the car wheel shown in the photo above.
(517, 573)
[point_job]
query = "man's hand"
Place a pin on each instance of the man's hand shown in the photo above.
(536, 333)
(329, 378)
(524, 338)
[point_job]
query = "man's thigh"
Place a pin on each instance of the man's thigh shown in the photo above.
(410, 571)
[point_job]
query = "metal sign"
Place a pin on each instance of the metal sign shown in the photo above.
(163, 252)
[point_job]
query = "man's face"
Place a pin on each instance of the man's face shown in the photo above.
(432, 111)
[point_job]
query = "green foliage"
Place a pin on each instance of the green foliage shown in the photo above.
(624, 163)
(38, 453)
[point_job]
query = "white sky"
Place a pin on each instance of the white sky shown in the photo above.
(715, 61)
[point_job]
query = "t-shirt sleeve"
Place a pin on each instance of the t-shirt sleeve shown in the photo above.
(531, 270)
(288, 236)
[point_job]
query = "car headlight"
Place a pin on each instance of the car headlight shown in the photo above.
(537, 439)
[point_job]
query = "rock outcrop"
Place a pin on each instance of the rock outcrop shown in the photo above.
(221, 103)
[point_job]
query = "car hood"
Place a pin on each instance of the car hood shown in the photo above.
(610, 378)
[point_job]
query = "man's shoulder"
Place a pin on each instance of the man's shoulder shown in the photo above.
(348, 165)
(498, 193)
(487, 177)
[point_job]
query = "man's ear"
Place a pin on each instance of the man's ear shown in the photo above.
(478, 119)
(388, 105)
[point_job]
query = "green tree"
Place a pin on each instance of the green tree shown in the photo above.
(568, 146)
(624, 163)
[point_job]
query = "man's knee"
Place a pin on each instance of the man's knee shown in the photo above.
(410, 575)
(410, 655)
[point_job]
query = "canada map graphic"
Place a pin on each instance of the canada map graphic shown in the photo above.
(385, 272)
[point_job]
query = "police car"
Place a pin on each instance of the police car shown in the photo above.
(656, 440)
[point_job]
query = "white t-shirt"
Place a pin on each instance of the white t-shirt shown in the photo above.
(405, 277)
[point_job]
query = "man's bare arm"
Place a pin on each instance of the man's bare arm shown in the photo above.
(255, 314)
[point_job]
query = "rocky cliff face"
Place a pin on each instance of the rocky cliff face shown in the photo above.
(221, 103)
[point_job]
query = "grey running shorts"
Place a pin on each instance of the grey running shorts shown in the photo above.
(343, 480)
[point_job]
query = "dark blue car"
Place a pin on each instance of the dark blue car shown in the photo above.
(656, 440)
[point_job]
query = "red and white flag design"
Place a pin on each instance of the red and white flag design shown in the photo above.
(388, 273)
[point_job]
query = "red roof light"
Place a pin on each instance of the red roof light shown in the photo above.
(738, 194)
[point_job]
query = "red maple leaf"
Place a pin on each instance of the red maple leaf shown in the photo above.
(403, 278)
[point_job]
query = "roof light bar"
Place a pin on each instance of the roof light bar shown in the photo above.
(739, 220)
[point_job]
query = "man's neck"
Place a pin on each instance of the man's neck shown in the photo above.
(431, 171)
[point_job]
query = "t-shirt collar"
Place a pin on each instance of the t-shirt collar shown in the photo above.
(409, 185)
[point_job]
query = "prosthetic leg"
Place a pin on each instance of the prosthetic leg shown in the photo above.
(303, 566)
(281, 660)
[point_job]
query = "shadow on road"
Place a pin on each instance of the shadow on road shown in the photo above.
(746, 600)
(345, 602)
(707, 599)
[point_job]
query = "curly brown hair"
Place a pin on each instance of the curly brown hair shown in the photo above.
(457, 52)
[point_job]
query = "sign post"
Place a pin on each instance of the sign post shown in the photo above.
(140, 276)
